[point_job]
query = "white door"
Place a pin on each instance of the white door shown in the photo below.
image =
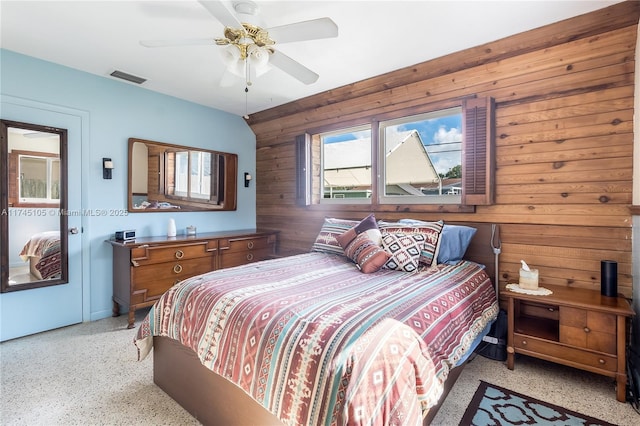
(30, 311)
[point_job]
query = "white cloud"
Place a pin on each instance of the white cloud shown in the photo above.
(443, 135)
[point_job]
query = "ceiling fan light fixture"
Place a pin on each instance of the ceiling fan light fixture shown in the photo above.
(232, 59)
(247, 48)
(258, 58)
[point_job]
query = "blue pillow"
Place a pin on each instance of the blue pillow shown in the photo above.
(454, 241)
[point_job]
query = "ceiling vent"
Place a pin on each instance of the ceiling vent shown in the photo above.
(128, 77)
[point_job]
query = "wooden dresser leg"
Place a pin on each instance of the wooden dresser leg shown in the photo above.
(132, 318)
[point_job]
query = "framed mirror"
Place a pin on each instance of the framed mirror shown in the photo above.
(33, 182)
(173, 178)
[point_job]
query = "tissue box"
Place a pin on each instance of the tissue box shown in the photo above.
(528, 279)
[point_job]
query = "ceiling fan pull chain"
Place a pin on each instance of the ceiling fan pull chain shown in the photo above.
(246, 103)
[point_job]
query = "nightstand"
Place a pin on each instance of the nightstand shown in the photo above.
(575, 327)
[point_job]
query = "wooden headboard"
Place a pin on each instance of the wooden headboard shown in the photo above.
(480, 249)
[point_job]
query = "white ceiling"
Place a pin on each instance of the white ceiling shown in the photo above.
(375, 37)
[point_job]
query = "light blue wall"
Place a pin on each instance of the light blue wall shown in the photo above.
(117, 111)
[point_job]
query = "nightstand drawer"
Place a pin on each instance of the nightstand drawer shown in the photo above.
(587, 338)
(148, 255)
(588, 329)
(580, 318)
(538, 310)
(565, 353)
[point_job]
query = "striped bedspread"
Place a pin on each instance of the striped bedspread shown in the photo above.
(315, 341)
(41, 244)
(45, 248)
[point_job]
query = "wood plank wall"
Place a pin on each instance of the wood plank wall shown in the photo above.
(564, 96)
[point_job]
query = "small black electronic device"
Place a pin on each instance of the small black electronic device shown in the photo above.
(126, 235)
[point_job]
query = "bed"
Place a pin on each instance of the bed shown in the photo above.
(42, 251)
(311, 339)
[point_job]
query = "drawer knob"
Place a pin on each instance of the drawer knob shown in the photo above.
(524, 342)
(179, 254)
(587, 330)
(177, 269)
(250, 257)
(551, 309)
(250, 245)
(601, 361)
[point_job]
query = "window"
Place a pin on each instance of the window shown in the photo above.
(436, 157)
(421, 158)
(190, 175)
(346, 165)
(200, 174)
(39, 179)
(34, 179)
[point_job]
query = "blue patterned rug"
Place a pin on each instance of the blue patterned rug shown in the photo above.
(496, 406)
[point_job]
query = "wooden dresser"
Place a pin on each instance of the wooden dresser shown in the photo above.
(143, 269)
(575, 327)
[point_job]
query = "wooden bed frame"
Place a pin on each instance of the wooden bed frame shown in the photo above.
(178, 371)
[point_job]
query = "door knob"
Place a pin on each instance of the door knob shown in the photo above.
(73, 230)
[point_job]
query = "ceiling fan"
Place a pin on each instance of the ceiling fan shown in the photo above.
(248, 49)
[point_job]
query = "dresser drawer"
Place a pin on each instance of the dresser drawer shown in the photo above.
(238, 251)
(563, 352)
(143, 270)
(231, 259)
(241, 245)
(158, 278)
(148, 255)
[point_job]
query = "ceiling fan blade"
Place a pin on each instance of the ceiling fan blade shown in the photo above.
(293, 68)
(305, 30)
(221, 12)
(187, 42)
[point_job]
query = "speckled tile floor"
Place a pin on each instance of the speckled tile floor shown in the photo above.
(85, 374)
(88, 374)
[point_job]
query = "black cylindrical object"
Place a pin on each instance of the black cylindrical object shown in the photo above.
(609, 278)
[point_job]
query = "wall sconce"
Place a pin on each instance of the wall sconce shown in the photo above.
(107, 167)
(247, 179)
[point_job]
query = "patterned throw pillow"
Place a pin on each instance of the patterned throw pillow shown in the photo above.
(454, 241)
(326, 241)
(366, 253)
(430, 230)
(404, 249)
(362, 245)
(367, 224)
